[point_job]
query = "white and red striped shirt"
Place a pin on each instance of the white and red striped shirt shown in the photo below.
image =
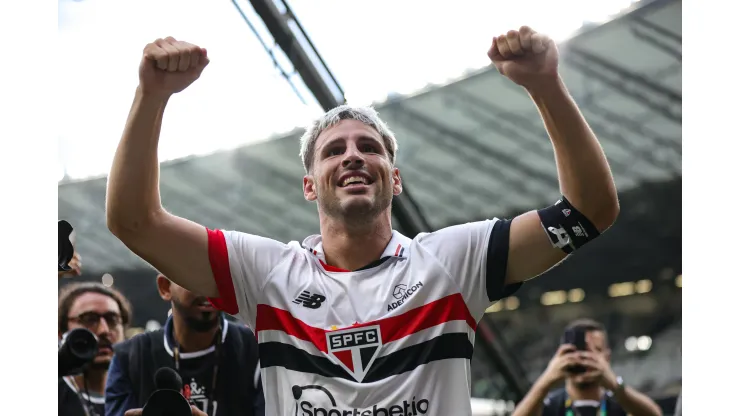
(393, 338)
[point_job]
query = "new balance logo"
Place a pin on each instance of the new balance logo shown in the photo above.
(311, 301)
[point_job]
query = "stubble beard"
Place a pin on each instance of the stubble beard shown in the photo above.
(354, 214)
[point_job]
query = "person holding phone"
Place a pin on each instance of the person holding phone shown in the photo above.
(591, 387)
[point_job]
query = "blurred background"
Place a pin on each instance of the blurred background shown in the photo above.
(472, 146)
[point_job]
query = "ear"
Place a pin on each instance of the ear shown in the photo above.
(309, 188)
(163, 287)
(397, 183)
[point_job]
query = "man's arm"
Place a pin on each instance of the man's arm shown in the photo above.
(632, 401)
(119, 393)
(635, 403)
(532, 403)
(178, 248)
(530, 60)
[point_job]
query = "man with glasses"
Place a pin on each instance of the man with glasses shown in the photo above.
(105, 312)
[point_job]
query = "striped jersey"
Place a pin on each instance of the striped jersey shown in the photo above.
(393, 338)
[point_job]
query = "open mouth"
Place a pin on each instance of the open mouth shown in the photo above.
(354, 180)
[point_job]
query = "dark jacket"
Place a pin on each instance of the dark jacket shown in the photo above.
(238, 389)
(555, 405)
(71, 401)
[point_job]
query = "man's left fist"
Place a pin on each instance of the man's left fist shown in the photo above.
(526, 57)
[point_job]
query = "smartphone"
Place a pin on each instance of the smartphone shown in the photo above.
(577, 338)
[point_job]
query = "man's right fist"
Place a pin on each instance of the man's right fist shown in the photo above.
(169, 66)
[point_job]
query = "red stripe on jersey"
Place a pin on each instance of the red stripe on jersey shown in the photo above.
(398, 249)
(269, 318)
(329, 268)
(218, 255)
(449, 308)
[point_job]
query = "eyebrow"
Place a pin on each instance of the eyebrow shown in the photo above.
(363, 138)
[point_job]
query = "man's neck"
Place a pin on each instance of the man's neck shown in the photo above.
(590, 393)
(188, 339)
(95, 382)
(352, 248)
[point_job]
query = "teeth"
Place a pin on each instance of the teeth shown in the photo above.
(354, 179)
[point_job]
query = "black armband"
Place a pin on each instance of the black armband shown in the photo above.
(567, 228)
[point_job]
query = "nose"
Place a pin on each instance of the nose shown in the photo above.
(353, 158)
(103, 327)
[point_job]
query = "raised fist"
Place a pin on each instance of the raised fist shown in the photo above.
(526, 57)
(169, 66)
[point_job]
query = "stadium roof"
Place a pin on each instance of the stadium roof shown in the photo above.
(469, 150)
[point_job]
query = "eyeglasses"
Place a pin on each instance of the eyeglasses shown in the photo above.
(91, 320)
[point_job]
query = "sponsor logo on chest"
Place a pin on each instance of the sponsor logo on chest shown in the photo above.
(402, 292)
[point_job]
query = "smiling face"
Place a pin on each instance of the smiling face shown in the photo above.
(352, 176)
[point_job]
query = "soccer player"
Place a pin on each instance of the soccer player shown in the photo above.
(361, 320)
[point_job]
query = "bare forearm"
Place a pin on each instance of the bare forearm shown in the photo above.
(133, 184)
(583, 170)
(636, 403)
(531, 404)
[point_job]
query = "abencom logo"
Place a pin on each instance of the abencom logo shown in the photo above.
(401, 293)
(306, 408)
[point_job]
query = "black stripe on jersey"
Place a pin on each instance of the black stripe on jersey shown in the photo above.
(277, 354)
(496, 263)
(445, 346)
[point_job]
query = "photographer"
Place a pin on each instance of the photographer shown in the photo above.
(105, 312)
(594, 390)
(216, 360)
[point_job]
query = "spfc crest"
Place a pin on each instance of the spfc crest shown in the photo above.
(355, 349)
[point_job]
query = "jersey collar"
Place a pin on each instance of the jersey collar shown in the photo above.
(398, 247)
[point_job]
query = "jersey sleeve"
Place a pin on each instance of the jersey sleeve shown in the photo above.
(241, 265)
(475, 257)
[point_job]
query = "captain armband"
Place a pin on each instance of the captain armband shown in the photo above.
(567, 228)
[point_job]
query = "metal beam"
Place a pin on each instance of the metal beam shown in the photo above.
(655, 28)
(497, 118)
(616, 83)
(503, 359)
(638, 79)
(656, 43)
(291, 38)
(481, 150)
(633, 126)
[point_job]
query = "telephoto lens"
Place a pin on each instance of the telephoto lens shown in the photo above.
(79, 347)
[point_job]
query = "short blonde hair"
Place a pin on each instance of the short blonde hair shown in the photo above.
(366, 115)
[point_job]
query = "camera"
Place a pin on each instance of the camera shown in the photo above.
(66, 250)
(79, 347)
